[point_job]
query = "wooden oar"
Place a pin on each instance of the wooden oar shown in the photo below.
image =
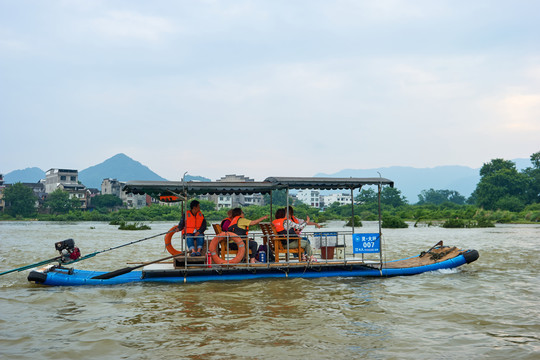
(32, 265)
(58, 258)
(128, 269)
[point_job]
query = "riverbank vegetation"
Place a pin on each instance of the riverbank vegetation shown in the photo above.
(503, 195)
(427, 214)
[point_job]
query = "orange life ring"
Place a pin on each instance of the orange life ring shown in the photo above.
(168, 239)
(232, 236)
(169, 198)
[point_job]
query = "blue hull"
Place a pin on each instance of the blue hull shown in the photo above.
(64, 277)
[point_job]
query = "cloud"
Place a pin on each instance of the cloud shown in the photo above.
(337, 84)
(520, 112)
(12, 45)
(131, 25)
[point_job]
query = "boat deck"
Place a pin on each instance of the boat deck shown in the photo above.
(434, 256)
(166, 272)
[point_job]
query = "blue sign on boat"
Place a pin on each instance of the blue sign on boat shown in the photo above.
(366, 243)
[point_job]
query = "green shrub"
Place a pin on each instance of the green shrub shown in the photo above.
(393, 222)
(454, 223)
(357, 222)
(134, 226)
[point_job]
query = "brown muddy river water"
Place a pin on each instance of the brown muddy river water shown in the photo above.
(489, 309)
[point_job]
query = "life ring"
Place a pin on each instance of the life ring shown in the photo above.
(168, 240)
(232, 236)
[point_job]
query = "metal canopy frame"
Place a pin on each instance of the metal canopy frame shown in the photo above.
(323, 183)
(183, 190)
(334, 184)
(168, 188)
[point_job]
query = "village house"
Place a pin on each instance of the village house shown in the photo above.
(235, 200)
(131, 201)
(67, 180)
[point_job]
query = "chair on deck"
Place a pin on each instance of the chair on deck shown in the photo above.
(223, 243)
(274, 240)
(217, 228)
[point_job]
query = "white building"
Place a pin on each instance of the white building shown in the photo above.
(56, 177)
(67, 180)
(114, 187)
(310, 197)
(222, 201)
(236, 200)
(342, 199)
(134, 201)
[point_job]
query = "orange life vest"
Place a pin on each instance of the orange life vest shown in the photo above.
(193, 222)
(233, 227)
(278, 224)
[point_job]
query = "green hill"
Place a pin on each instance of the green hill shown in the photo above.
(120, 167)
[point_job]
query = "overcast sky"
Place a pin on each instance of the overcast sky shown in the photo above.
(268, 88)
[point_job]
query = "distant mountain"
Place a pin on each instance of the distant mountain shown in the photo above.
(196, 178)
(411, 181)
(522, 164)
(120, 167)
(28, 175)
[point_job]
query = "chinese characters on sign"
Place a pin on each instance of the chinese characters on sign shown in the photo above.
(366, 243)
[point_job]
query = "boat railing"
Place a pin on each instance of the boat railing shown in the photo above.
(328, 247)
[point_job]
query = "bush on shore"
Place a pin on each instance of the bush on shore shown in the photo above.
(428, 213)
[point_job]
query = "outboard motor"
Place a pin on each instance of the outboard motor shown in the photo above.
(67, 250)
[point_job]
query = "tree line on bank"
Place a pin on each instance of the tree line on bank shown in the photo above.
(503, 194)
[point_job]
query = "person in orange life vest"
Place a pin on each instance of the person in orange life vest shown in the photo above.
(284, 225)
(227, 221)
(298, 221)
(240, 226)
(194, 228)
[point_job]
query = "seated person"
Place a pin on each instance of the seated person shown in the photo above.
(193, 228)
(240, 226)
(227, 221)
(284, 226)
(297, 221)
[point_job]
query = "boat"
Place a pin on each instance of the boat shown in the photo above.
(342, 254)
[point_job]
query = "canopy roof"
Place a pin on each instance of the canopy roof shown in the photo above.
(167, 188)
(323, 183)
(170, 188)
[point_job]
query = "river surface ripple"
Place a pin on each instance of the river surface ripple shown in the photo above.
(487, 309)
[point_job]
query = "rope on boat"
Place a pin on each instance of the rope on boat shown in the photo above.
(438, 256)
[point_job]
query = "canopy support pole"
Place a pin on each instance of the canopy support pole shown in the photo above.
(184, 211)
(352, 222)
(380, 222)
(287, 217)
